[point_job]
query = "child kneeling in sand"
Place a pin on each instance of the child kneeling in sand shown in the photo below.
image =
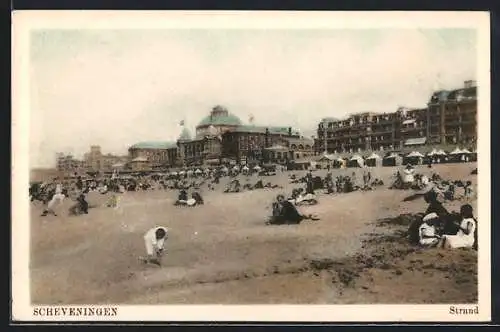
(155, 242)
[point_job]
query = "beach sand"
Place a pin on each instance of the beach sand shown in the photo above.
(223, 253)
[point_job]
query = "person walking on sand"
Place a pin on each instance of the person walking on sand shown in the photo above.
(154, 240)
(57, 198)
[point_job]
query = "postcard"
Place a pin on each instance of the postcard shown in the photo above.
(250, 166)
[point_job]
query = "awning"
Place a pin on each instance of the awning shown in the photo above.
(456, 151)
(415, 154)
(373, 156)
(416, 141)
(433, 152)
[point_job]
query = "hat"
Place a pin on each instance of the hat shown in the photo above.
(430, 216)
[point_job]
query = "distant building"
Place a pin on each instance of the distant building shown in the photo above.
(153, 155)
(67, 163)
(449, 118)
(221, 137)
(96, 161)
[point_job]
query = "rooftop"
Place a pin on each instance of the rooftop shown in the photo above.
(154, 145)
(220, 116)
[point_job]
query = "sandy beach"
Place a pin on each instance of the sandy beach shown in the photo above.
(223, 253)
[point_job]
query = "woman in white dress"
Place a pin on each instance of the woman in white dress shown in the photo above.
(427, 231)
(408, 177)
(465, 237)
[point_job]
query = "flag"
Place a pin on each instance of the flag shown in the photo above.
(181, 123)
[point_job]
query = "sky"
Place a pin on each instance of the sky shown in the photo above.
(114, 88)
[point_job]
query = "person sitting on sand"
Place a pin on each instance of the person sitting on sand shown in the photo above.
(182, 197)
(468, 190)
(285, 212)
(466, 236)
(154, 239)
(427, 230)
(197, 197)
(81, 206)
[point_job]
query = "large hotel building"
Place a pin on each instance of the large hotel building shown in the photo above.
(450, 118)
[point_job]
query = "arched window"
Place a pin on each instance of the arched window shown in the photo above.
(301, 147)
(308, 147)
(294, 147)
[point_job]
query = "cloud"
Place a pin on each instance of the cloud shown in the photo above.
(117, 88)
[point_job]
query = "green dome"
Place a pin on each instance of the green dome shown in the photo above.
(153, 145)
(220, 116)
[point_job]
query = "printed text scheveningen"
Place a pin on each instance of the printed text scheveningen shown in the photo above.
(47, 311)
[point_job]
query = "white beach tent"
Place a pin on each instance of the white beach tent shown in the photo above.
(190, 172)
(373, 160)
(173, 173)
(236, 168)
(441, 153)
(245, 168)
(433, 152)
(456, 151)
(198, 171)
(257, 168)
(466, 151)
(356, 161)
(415, 154)
(182, 173)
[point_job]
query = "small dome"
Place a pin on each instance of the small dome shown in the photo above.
(185, 135)
(220, 116)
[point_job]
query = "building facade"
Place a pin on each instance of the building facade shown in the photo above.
(449, 118)
(68, 164)
(153, 155)
(221, 137)
(96, 161)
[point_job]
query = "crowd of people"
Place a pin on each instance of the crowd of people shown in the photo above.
(437, 228)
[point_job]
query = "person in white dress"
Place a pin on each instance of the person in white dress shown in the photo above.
(57, 199)
(154, 239)
(465, 237)
(427, 231)
(409, 173)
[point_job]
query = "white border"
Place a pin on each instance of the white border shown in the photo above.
(25, 21)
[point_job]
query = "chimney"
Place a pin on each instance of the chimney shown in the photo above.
(289, 131)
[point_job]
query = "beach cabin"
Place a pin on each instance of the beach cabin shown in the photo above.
(414, 158)
(339, 163)
(460, 156)
(356, 161)
(392, 159)
(374, 160)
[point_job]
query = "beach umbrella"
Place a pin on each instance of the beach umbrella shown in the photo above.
(456, 151)
(182, 173)
(224, 169)
(198, 171)
(441, 153)
(257, 168)
(245, 168)
(466, 151)
(173, 173)
(236, 168)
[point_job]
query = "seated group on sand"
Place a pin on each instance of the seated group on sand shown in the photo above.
(439, 228)
(183, 200)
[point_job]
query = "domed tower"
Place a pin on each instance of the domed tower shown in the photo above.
(217, 122)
